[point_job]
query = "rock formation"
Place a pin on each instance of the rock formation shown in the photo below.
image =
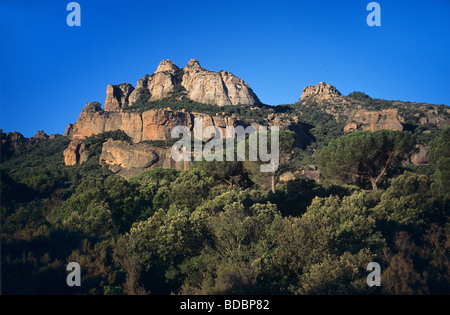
(153, 124)
(117, 96)
(373, 120)
(40, 135)
(14, 139)
(75, 153)
(440, 118)
(219, 88)
(327, 98)
(159, 85)
(420, 155)
(194, 82)
(322, 90)
(129, 160)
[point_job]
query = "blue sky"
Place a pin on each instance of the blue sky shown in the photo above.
(49, 70)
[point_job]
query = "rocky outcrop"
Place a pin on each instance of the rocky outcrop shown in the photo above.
(419, 155)
(40, 135)
(154, 124)
(129, 160)
(14, 139)
(322, 91)
(218, 88)
(159, 85)
(436, 116)
(75, 153)
(373, 120)
(167, 66)
(194, 82)
(327, 98)
(117, 96)
(71, 153)
(125, 155)
(365, 113)
(311, 172)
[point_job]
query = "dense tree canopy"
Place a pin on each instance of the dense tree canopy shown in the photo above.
(220, 229)
(364, 155)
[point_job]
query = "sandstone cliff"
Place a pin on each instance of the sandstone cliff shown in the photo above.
(193, 82)
(439, 116)
(128, 160)
(117, 96)
(154, 124)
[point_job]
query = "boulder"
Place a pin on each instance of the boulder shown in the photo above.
(131, 159)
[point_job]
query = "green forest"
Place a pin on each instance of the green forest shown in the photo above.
(223, 227)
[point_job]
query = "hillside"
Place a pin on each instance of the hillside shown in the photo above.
(109, 195)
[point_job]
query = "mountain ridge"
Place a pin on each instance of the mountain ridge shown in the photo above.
(144, 114)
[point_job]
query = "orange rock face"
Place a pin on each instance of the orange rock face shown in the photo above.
(158, 124)
(75, 153)
(374, 120)
(71, 154)
(117, 96)
(129, 160)
(154, 124)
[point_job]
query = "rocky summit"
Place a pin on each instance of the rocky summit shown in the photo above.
(322, 90)
(192, 82)
(218, 88)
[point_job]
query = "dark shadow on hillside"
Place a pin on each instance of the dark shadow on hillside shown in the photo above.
(293, 198)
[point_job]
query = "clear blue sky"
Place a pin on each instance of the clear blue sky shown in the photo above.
(49, 70)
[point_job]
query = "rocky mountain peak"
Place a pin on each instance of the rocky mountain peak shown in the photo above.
(40, 135)
(92, 107)
(199, 84)
(166, 65)
(322, 90)
(193, 64)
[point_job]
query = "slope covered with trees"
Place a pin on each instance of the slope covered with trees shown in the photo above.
(219, 228)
